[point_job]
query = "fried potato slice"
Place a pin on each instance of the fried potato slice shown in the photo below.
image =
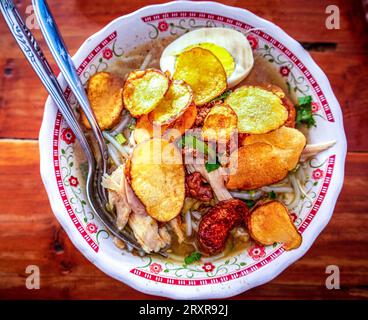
(144, 129)
(203, 71)
(264, 159)
(289, 143)
(255, 166)
(181, 125)
(290, 122)
(186, 121)
(219, 123)
(143, 90)
(157, 178)
(176, 100)
(259, 110)
(104, 92)
(270, 222)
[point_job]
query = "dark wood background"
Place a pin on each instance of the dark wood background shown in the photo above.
(29, 233)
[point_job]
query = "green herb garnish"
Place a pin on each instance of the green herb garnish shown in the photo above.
(212, 166)
(272, 195)
(223, 96)
(305, 100)
(120, 138)
(304, 112)
(193, 257)
(195, 143)
(250, 203)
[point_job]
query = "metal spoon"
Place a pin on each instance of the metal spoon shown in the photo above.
(64, 61)
(35, 57)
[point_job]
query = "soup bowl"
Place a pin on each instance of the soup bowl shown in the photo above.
(62, 171)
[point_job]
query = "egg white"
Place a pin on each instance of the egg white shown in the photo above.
(231, 40)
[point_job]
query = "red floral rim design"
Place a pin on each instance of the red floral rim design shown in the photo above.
(265, 36)
(249, 269)
(267, 259)
(57, 170)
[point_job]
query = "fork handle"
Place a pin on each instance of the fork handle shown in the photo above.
(36, 58)
(64, 61)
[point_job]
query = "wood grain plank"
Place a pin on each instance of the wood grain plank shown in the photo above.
(29, 234)
(296, 17)
(22, 96)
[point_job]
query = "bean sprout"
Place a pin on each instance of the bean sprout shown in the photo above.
(194, 226)
(113, 153)
(246, 195)
(311, 150)
(188, 223)
(196, 215)
(146, 61)
(116, 144)
(302, 190)
(283, 183)
(300, 174)
(296, 188)
(122, 124)
(277, 189)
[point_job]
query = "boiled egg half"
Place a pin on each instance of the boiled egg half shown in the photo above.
(230, 46)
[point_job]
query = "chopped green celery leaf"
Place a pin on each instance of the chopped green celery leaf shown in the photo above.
(250, 203)
(212, 166)
(193, 257)
(195, 143)
(272, 195)
(120, 138)
(304, 100)
(304, 112)
(223, 96)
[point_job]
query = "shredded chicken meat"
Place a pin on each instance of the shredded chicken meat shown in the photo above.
(115, 183)
(216, 179)
(148, 234)
(175, 224)
(131, 211)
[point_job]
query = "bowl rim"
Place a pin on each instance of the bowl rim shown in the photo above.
(269, 271)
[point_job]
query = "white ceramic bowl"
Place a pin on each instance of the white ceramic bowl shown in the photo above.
(227, 277)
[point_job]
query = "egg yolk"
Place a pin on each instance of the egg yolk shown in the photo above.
(221, 53)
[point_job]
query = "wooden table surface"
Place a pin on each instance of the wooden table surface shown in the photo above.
(29, 233)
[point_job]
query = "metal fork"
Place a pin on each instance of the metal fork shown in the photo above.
(96, 167)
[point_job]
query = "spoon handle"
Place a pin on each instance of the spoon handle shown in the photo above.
(64, 61)
(36, 58)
